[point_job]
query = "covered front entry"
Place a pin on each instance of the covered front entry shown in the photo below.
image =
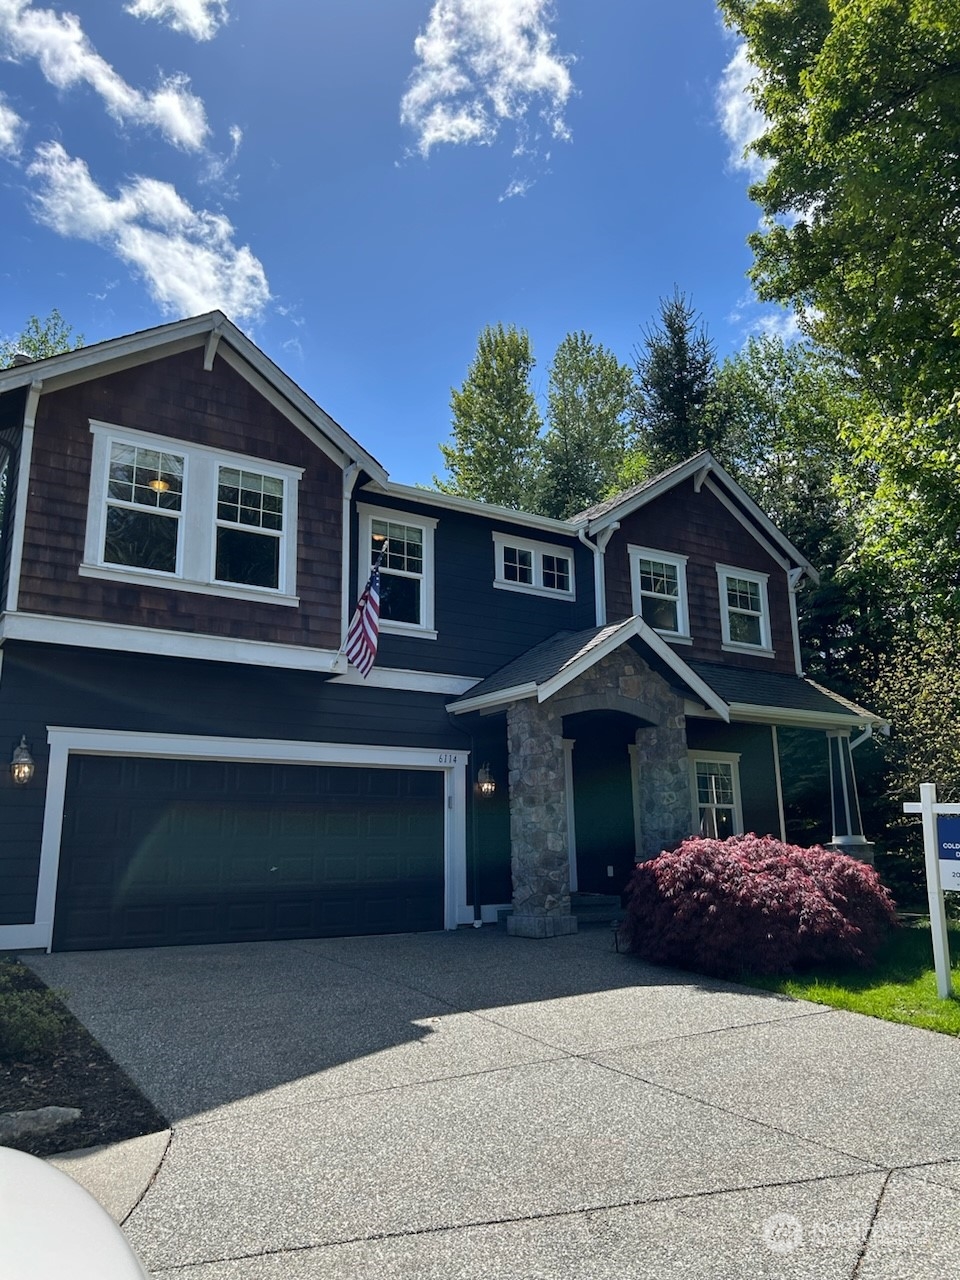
(159, 852)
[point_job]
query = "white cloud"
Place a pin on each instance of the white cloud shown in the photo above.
(740, 120)
(481, 62)
(779, 324)
(201, 19)
(11, 130)
(516, 187)
(67, 58)
(186, 256)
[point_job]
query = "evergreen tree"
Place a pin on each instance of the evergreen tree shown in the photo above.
(676, 371)
(496, 426)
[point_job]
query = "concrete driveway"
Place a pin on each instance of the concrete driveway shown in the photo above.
(473, 1105)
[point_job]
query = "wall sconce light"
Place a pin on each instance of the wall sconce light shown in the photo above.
(485, 781)
(22, 766)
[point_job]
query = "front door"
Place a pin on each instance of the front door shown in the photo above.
(603, 805)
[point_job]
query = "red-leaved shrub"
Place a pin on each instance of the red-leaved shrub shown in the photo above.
(752, 903)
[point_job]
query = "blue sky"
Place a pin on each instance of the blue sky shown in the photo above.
(363, 185)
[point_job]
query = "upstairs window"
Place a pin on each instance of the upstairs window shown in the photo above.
(658, 581)
(715, 783)
(182, 515)
(406, 570)
(744, 611)
(249, 527)
(539, 568)
(144, 502)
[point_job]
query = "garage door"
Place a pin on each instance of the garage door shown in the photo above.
(169, 852)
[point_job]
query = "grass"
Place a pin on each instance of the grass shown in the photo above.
(900, 987)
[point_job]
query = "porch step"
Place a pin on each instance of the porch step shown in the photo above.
(596, 908)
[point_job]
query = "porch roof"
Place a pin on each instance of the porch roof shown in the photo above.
(546, 668)
(781, 698)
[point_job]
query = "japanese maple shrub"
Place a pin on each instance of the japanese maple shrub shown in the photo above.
(752, 903)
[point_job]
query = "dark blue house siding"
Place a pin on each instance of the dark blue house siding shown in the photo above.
(758, 780)
(480, 627)
(45, 685)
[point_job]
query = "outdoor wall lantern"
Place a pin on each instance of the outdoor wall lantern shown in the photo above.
(22, 766)
(485, 783)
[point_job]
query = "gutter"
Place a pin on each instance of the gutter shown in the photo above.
(22, 492)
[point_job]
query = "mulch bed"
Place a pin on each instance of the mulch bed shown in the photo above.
(79, 1073)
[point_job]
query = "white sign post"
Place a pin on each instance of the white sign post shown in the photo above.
(941, 850)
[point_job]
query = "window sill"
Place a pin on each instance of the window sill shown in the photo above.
(407, 629)
(523, 589)
(169, 583)
(758, 651)
(674, 639)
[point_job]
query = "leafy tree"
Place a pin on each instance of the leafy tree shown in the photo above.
(40, 339)
(918, 689)
(588, 407)
(496, 425)
(862, 100)
(676, 371)
(781, 406)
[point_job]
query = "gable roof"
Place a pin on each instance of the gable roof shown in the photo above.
(704, 469)
(217, 335)
(548, 667)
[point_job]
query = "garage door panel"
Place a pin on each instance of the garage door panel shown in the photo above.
(173, 852)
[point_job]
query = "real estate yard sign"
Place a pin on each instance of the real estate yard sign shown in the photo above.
(941, 850)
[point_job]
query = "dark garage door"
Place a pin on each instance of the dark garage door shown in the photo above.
(169, 852)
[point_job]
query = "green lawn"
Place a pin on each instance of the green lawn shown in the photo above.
(901, 986)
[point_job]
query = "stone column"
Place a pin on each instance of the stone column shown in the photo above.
(663, 784)
(538, 823)
(848, 834)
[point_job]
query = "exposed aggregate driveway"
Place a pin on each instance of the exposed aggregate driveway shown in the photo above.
(473, 1105)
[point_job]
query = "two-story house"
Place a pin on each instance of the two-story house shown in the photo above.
(185, 535)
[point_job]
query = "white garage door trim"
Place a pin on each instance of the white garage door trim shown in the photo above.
(65, 742)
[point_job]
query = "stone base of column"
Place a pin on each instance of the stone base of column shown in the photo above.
(531, 926)
(862, 850)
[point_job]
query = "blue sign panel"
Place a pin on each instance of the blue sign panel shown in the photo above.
(948, 840)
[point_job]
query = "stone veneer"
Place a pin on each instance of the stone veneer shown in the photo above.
(621, 681)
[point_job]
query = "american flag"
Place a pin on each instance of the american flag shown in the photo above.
(360, 645)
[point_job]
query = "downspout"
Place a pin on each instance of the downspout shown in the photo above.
(794, 577)
(20, 501)
(350, 473)
(599, 583)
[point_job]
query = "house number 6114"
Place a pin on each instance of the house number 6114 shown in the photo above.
(446, 757)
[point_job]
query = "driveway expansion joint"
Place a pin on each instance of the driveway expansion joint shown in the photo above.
(548, 1216)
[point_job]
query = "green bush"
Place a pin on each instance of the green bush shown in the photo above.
(31, 1021)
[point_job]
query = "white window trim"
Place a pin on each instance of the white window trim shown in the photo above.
(716, 757)
(537, 551)
(636, 554)
(196, 545)
(765, 648)
(425, 628)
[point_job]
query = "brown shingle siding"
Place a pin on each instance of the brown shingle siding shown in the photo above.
(176, 397)
(699, 526)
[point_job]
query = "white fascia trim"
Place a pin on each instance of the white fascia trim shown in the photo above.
(701, 462)
(432, 497)
(749, 712)
(21, 494)
(771, 530)
(516, 693)
(637, 627)
(82, 633)
(182, 335)
(750, 527)
(625, 631)
(170, 746)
